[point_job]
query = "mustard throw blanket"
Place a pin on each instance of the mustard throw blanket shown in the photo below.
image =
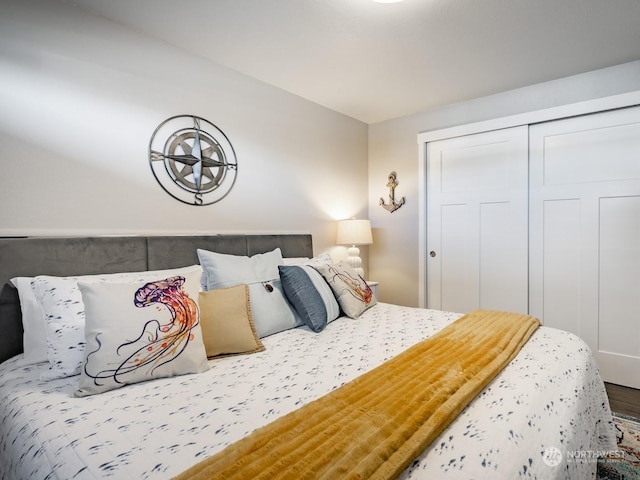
(375, 425)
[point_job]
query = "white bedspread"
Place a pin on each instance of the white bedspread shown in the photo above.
(532, 421)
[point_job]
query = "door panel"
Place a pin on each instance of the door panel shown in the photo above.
(454, 281)
(477, 226)
(561, 260)
(619, 265)
(585, 234)
(494, 279)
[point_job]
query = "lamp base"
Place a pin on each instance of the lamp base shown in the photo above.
(353, 259)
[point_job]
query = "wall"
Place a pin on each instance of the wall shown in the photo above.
(81, 96)
(79, 99)
(393, 258)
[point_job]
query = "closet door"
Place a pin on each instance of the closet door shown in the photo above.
(585, 235)
(477, 230)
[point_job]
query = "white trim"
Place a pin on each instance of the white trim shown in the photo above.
(528, 118)
(536, 116)
(422, 225)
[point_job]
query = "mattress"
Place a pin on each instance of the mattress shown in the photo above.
(546, 415)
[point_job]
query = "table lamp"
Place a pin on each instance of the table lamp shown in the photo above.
(354, 232)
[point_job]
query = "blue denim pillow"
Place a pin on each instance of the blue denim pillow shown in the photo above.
(310, 295)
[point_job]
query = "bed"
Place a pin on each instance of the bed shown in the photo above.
(546, 415)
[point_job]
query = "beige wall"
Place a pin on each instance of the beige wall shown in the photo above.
(393, 258)
(80, 98)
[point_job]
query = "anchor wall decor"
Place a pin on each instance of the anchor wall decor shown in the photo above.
(392, 206)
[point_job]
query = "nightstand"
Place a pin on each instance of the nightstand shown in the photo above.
(374, 287)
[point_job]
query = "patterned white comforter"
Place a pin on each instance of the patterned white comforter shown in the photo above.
(545, 416)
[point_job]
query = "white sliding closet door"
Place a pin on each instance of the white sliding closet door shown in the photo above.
(477, 232)
(585, 235)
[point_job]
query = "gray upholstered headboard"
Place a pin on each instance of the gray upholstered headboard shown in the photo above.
(30, 256)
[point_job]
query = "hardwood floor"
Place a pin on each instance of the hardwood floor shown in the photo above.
(624, 400)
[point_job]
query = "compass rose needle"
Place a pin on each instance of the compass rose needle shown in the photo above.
(184, 159)
(188, 160)
(156, 156)
(196, 151)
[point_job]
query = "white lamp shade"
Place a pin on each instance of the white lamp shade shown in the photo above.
(354, 232)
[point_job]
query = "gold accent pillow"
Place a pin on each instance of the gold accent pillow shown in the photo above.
(226, 322)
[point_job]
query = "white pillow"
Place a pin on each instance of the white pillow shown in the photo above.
(295, 261)
(34, 338)
(321, 259)
(61, 302)
(139, 331)
(271, 311)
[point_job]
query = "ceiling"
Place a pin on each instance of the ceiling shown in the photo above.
(376, 61)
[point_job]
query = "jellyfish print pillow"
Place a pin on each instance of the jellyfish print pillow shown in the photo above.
(140, 331)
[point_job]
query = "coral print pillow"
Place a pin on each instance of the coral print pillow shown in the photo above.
(351, 290)
(139, 331)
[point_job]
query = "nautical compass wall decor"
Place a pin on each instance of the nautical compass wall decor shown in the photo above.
(193, 160)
